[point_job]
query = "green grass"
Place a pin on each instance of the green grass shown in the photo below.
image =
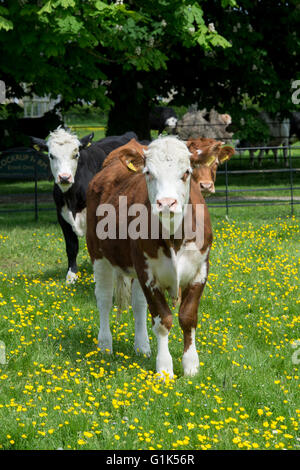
(58, 391)
(86, 127)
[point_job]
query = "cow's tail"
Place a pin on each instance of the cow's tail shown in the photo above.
(122, 293)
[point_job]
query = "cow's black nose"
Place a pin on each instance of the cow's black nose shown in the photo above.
(64, 178)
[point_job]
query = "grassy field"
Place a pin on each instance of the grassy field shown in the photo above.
(57, 390)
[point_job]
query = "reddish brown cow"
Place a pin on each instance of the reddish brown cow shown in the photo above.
(152, 251)
(207, 154)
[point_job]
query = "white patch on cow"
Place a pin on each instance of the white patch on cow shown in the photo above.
(161, 272)
(63, 148)
(190, 359)
(139, 307)
(164, 363)
(199, 151)
(78, 223)
(104, 280)
(71, 277)
(192, 265)
(167, 160)
(187, 266)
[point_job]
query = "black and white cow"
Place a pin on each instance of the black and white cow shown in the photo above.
(163, 117)
(73, 163)
(295, 127)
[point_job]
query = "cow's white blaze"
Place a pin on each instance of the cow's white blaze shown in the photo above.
(63, 148)
(167, 170)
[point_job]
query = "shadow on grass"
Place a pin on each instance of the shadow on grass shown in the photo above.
(59, 274)
(77, 348)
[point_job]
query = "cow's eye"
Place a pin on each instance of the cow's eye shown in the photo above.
(186, 175)
(51, 156)
(147, 172)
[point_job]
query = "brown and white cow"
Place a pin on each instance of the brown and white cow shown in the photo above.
(157, 183)
(207, 154)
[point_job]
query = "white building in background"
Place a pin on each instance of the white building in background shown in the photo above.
(37, 106)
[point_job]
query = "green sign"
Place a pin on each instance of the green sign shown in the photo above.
(24, 164)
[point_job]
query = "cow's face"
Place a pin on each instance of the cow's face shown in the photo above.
(171, 122)
(64, 152)
(205, 176)
(207, 155)
(167, 169)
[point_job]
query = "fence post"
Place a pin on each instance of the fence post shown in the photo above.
(226, 193)
(291, 180)
(35, 188)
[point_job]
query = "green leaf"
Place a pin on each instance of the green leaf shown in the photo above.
(101, 5)
(3, 10)
(5, 24)
(69, 24)
(47, 8)
(67, 3)
(198, 14)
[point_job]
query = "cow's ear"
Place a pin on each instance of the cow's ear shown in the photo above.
(86, 141)
(226, 118)
(225, 153)
(204, 151)
(133, 160)
(195, 151)
(39, 144)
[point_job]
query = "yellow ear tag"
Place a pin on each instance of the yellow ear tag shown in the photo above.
(89, 144)
(225, 158)
(36, 147)
(131, 166)
(211, 160)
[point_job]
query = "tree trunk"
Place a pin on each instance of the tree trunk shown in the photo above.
(131, 108)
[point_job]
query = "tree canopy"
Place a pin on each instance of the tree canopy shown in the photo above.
(216, 53)
(68, 46)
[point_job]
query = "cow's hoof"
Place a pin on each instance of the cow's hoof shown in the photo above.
(71, 277)
(165, 374)
(190, 364)
(143, 349)
(105, 345)
(191, 371)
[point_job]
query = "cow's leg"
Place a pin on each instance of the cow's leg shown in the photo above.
(161, 318)
(285, 156)
(260, 156)
(188, 317)
(139, 307)
(72, 246)
(164, 362)
(161, 324)
(104, 285)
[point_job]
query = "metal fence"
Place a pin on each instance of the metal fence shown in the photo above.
(226, 200)
(290, 171)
